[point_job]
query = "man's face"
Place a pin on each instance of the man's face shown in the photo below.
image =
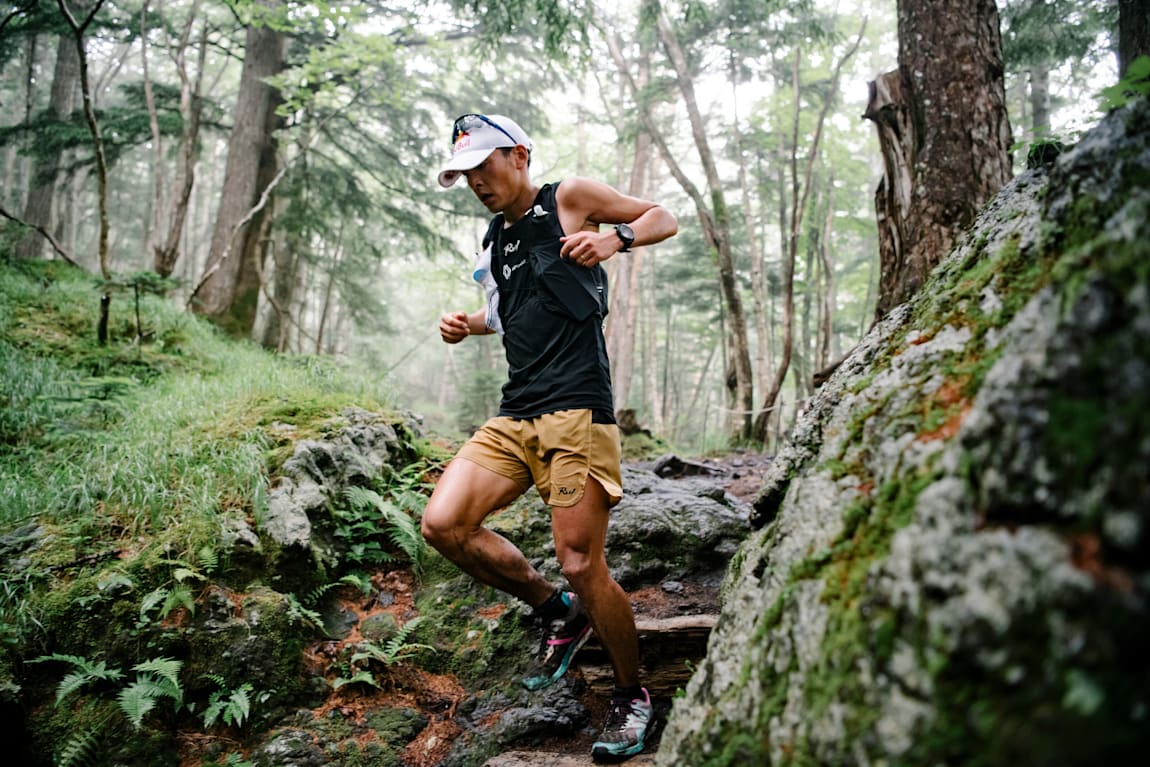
(495, 180)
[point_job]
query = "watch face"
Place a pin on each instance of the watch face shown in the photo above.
(625, 234)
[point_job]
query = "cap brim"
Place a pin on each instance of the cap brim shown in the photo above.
(460, 162)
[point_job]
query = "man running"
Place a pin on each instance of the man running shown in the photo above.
(547, 296)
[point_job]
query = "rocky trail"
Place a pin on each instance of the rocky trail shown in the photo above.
(674, 620)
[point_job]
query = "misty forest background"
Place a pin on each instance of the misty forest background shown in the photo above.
(270, 166)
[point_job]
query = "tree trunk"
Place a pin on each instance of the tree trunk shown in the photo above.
(717, 229)
(285, 283)
(800, 193)
(624, 271)
(828, 347)
(623, 319)
(1040, 100)
(1133, 32)
(228, 293)
(38, 208)
(758, 287)
(166, 249)
(944, 133)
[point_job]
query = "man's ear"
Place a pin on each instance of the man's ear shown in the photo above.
(522, 156)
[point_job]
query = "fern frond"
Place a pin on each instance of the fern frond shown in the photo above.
(360, 676)
(209, 558)
(360, 581)
(360, 498)
(81, 747)
(239, 705)
(180, 596)
(79, 661)
(216, 678)
(165, 674)
(317, 593)
(406, 535)
(297, 612)
(398, 647)
(167, 668)
(85, 671)
(140, 697)
(182, 574)
(151, 600)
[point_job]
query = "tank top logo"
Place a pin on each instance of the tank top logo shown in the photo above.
(509, 249)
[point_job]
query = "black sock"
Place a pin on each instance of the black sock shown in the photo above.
(634, 692)
(556, 606)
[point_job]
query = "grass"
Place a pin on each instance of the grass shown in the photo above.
(144, 437)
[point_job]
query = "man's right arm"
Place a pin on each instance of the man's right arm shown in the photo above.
(456, 326)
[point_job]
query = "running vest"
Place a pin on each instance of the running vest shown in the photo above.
(552, 315)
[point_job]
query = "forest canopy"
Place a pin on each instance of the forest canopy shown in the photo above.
(270, 165)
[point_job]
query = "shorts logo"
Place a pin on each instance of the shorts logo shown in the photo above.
(567, 491)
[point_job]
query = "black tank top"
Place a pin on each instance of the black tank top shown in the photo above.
(552, 313)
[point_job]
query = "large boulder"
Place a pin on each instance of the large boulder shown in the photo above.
(952, 560)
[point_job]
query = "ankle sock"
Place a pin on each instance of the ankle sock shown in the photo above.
(634, 692)
(556, 605)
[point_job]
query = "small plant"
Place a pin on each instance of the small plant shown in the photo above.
(297, 613)
(231, 707)
(155, 679)
(368, 517)
(396, 650)
(233, 760)
(84, 672)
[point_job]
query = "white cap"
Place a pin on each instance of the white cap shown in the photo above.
(475, 137)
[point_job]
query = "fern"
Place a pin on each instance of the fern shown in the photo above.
(402, 529)
(150, 601)
(80, 749)
(166, 669)
(209, 559)
(85, 672)
(180, 596)
(298, 613)
(233, 709)
(396, 649)
(406, 535)
(363, 676)
(361, 582)
(138, 698)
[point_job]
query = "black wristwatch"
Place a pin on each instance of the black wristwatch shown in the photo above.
(626, 234)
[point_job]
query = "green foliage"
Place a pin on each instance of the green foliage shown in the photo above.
(82, 747)
(231, 707)
(298, 613)
(397, 649)
(1134, 84)
(173, 449)
(368, 517)
(18, 619)
(84, 673)
(551, 21)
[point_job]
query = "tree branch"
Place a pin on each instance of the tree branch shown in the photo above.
(17, 12)
(45, 233)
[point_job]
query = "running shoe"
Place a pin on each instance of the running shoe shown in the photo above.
(562, 639)
(624, 736)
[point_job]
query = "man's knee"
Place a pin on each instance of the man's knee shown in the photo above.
(438, 526)
(581, 569)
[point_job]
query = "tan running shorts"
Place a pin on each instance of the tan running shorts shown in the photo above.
(556, 451)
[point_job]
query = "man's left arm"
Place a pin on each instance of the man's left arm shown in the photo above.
(584, 202)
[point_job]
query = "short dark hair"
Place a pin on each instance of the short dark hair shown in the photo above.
(507, 153)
